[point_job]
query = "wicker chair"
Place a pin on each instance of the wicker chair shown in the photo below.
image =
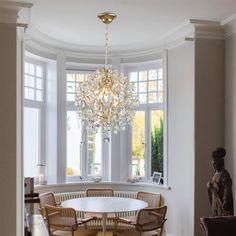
(46, 199)
(148, 219)
(100, 192)
(63, 219)
(153, 199)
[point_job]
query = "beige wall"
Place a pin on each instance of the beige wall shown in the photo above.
(8, 129)
(209, 117)
(230, 108)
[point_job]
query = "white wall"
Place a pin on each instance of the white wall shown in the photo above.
(180, 141)
(230, 109)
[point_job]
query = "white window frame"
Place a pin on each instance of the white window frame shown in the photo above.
(148, 108)
(39, 105)
(84, 152)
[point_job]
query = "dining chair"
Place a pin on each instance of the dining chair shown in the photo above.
(62, 219)
(100, 192)
(46, 199)
(153, 199)
(148, 219)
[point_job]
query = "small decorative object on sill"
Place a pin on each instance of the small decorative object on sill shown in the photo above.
(134, 179)
(97, 179)
(220, 187)
(41, 178)
(156, 177)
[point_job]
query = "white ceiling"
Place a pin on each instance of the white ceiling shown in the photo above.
(140, 23)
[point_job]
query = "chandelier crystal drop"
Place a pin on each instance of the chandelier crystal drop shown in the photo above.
(105, 100)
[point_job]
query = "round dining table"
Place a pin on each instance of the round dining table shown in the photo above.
(104, 206)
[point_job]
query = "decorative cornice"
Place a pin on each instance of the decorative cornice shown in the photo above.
(208, 29)
(9, 10)
(229, 25)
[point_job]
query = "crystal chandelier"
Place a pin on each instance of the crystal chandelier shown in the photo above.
(104, 100)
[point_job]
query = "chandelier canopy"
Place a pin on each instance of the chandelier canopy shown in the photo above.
(104, 100)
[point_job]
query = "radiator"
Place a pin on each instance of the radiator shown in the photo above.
(60, 197)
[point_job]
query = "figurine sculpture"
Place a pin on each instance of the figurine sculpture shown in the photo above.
(220, 188)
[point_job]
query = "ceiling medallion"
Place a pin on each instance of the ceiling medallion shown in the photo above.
(105, 101)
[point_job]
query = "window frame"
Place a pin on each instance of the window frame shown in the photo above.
(84, 139)
(148, 108)
(28, 103)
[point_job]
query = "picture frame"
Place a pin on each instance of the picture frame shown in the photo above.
(156, 177)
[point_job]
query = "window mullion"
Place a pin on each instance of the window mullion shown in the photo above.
(148, 144)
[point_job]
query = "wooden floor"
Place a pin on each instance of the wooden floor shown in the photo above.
(39, 229)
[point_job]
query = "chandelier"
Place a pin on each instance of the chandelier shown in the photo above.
(104, 101)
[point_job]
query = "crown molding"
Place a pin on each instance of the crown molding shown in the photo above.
(208, 29)
(229, 25)
(9, 10)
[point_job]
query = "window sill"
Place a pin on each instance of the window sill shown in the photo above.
(104, 184)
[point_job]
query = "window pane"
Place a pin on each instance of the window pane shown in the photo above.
(31, 141)
(152, 97)
(94, 154)
(39, 71)
(73, 167)
(160, 73)
(133, 76)
(138, 144)
(135, 87)
(79, 78)
(152, 86)
(70, 77)
(142, 87)
(70, 87)
(70, 97)
(29, 93)
(160, 85)
(157, 141)
(39, 95)
(31, 69)
(39, 84)
(160, 97)
(152, 75)
(143, 98)
(142, 75)
(26, 67)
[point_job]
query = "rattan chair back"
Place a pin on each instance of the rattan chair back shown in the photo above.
(46, 199)
(99, 192)
(153, 199)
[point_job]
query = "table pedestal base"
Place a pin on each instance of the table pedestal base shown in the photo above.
(108, 233)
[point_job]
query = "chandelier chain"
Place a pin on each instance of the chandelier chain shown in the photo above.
(106, 43)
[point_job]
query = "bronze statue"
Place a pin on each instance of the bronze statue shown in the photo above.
(220, 188)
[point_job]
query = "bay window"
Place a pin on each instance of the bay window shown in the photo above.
(34, 76)
(147, 145)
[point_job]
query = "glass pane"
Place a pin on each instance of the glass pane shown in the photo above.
(152, 75)
(160, 97)
(29, 81)
(160, 85)
(143, 98)
(95, 154)
(39, 84)
(70, 77)
(160, 73)
(152, 97)
(138, 144)
(152, 86)
(133, 76)
(70, 97)
(73, 154)
(38, 71)
(31, 69)
(142, 87)
(79, 77)
(31, 141)
(142, 75)
(26, 67)
(39, 95)
(29, 93)
(70, 87)
(157, 141)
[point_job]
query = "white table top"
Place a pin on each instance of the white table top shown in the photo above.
(105, 204)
